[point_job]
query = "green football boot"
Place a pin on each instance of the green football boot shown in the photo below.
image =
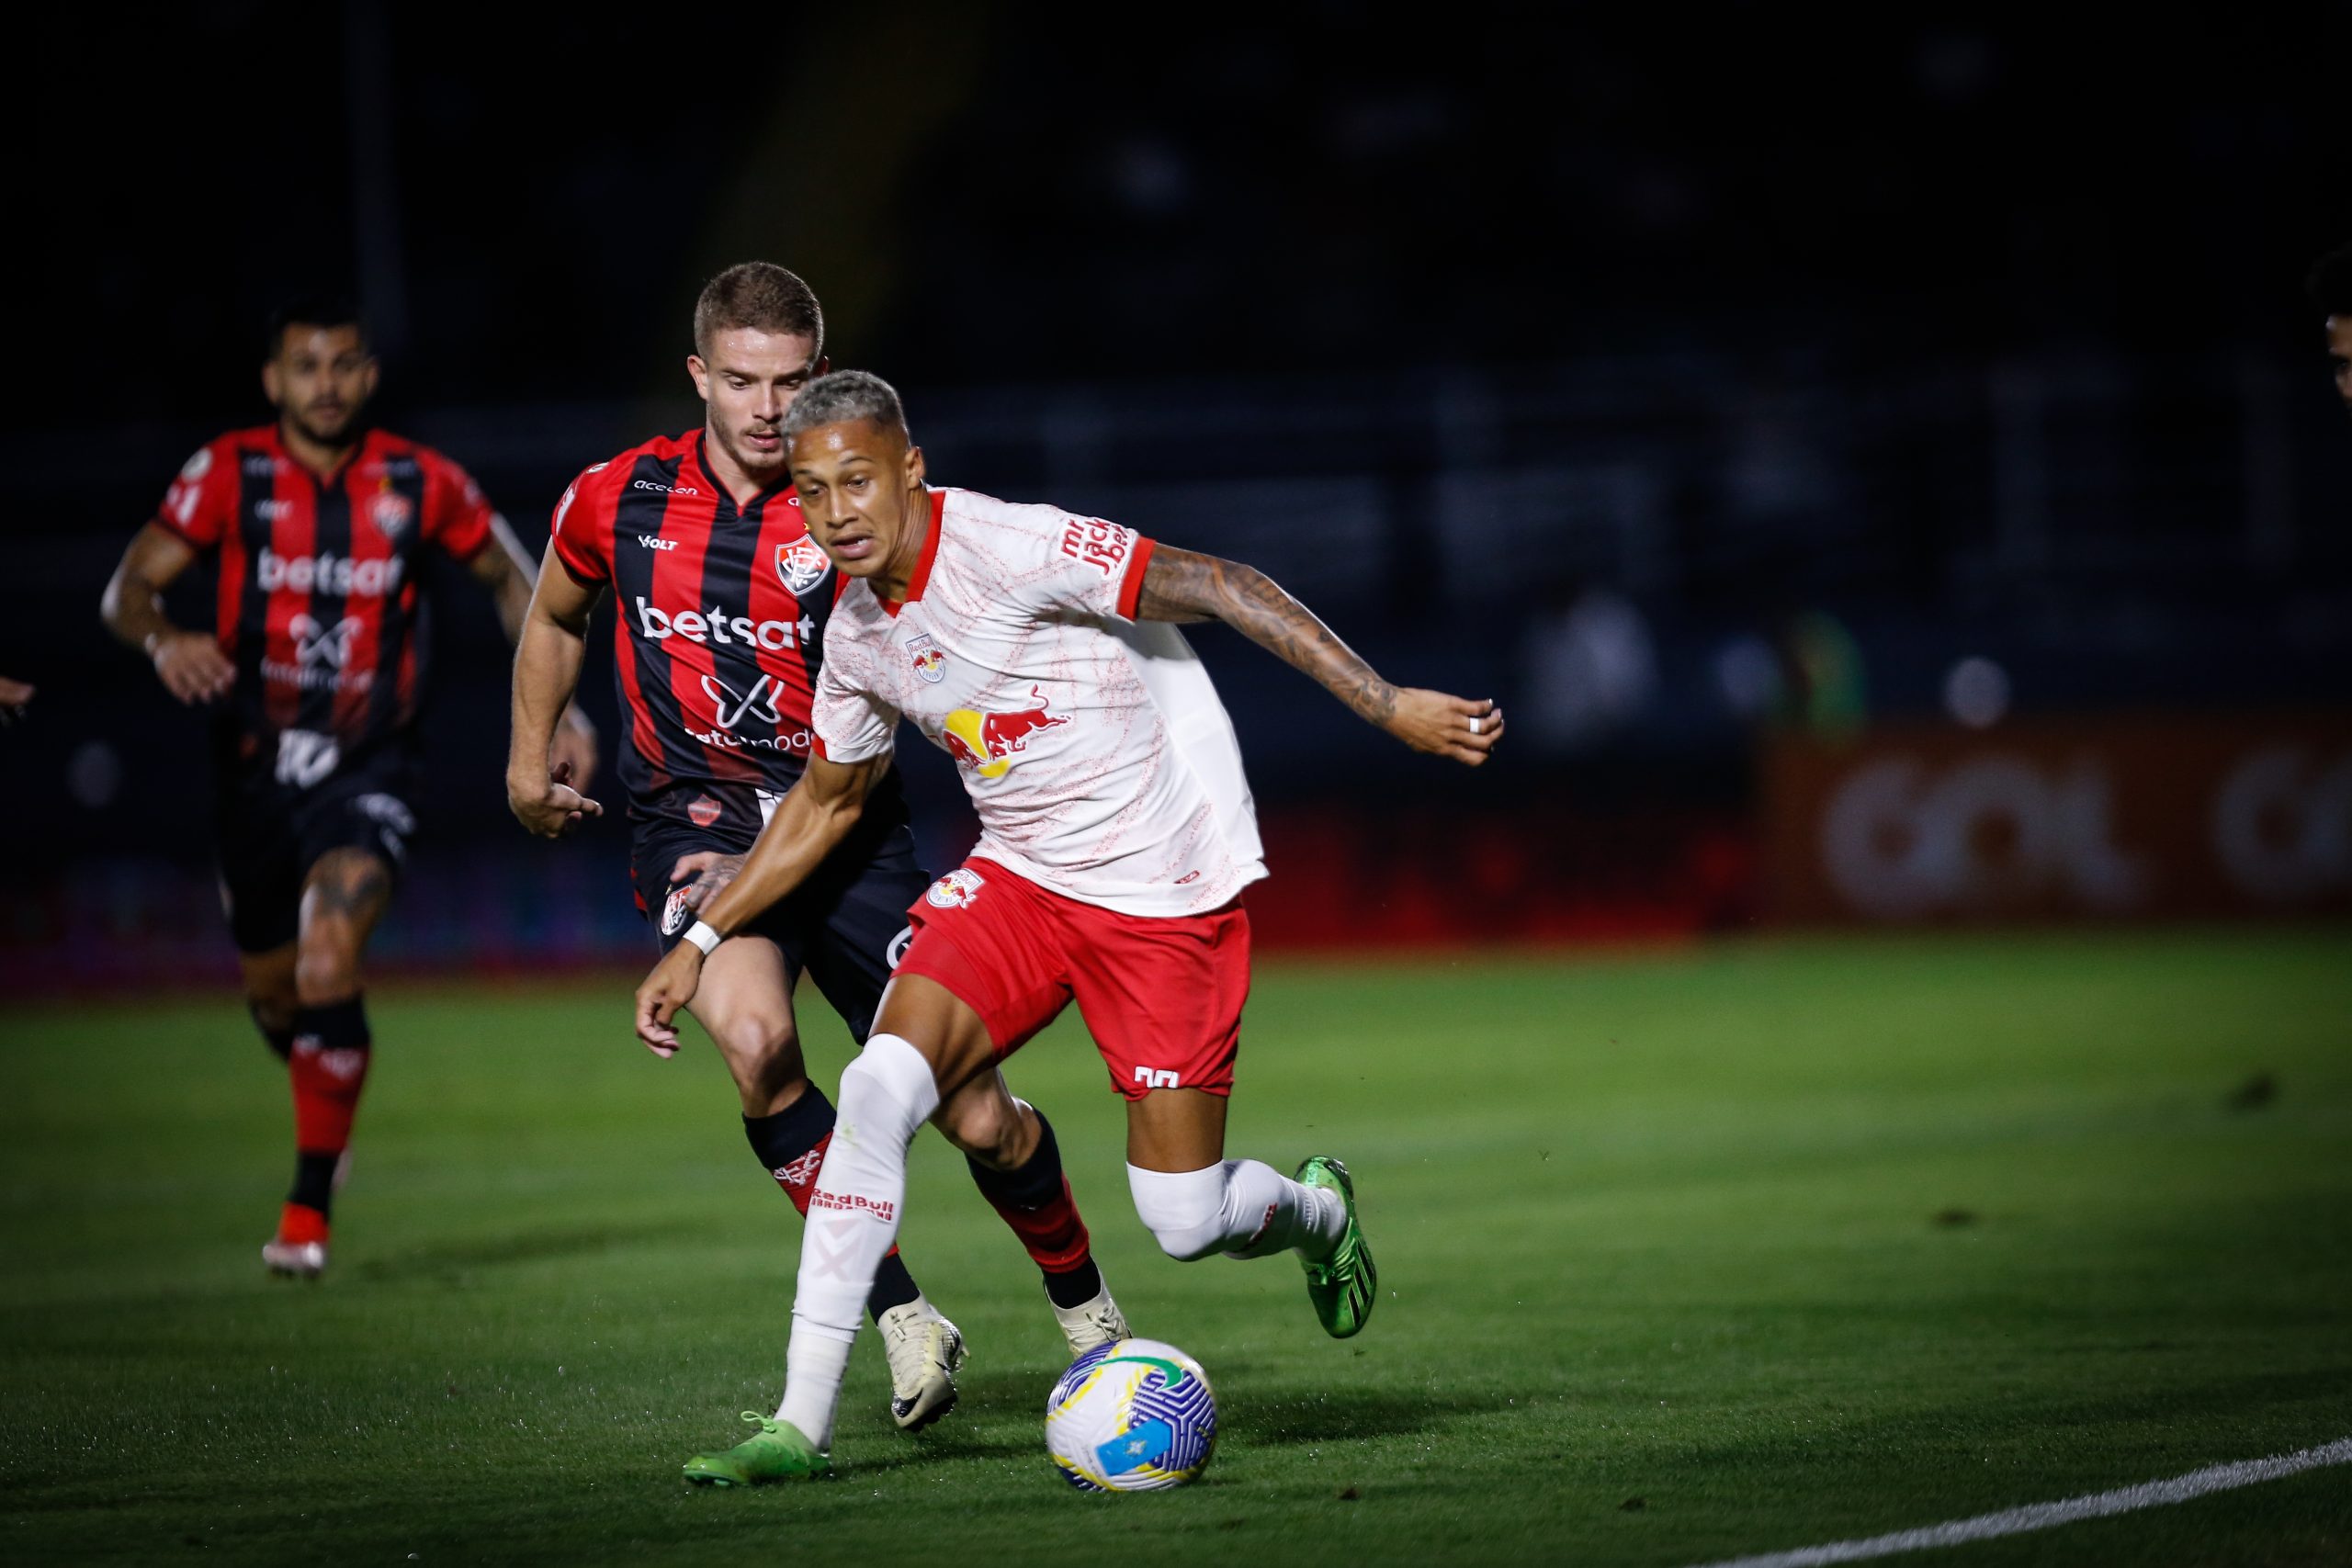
(775, 1452)
(1342, 1286)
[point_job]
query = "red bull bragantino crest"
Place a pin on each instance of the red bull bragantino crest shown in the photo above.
(929, 662)
(986, 742)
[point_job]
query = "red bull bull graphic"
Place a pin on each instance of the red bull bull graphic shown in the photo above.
(986, 742)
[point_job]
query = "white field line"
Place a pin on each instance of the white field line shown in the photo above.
(2043, 1516)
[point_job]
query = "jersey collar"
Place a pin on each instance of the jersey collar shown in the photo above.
(923, 565)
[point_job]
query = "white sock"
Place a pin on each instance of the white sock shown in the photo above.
(1240, 1207)
(888, 1093)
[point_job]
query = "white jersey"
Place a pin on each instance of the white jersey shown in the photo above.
(1096, 752)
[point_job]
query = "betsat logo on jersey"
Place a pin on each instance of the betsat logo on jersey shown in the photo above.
(716, 625)
(988, 742)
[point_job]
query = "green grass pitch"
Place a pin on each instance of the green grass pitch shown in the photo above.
(1683, 1256)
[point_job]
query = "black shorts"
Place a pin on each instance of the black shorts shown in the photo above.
(270, 834)
(846, 925)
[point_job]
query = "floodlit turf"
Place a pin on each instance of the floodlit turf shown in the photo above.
(1681, 1256)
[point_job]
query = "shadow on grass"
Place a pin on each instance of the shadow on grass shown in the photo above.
(1278, 1416)
(443, 1259)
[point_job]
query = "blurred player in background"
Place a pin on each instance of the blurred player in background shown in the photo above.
(723, 601)
(1117, 833)
(318, 524)
(2331, 292)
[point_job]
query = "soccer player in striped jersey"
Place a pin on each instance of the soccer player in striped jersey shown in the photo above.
(1116, 836)
(318, 524)
(722, 604)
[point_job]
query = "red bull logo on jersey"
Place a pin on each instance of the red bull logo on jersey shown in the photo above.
(928, 662)
(801, 564)
(986, 742)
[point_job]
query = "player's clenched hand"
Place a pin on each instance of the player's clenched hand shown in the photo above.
(1446, 726)
(550, 807)
(572, 755)
(668, 989)
(192, 665)
(710, 870)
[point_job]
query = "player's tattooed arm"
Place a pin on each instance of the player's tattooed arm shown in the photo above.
(189, 663)
(1179, 585)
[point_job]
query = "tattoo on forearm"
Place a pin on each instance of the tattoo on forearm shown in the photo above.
(1180, 585)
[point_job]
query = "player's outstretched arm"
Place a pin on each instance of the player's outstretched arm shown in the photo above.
(548, 646)
(814, 816)
(503, 568)
(190, 663)
(1179, 585)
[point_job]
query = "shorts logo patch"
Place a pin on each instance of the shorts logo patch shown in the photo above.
(928, 662)
(897, 953)
(703, 812)
(801, 564)
(1158, 1077)
(956, 889)
(675, 912)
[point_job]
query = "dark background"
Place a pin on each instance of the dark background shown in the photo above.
(1978, 336)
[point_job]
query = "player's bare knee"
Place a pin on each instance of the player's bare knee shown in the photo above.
(763, 1052)
(327, 970)
(988, 1128)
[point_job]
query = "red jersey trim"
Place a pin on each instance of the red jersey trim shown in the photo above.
(1131, 587)
(923, 568)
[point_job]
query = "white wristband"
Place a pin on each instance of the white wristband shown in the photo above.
(702, 936)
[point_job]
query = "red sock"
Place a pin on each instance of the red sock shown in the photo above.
(327, 1068)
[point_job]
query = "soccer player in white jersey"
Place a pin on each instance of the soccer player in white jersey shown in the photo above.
(1118, 834)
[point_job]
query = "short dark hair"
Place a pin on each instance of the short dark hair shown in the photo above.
(845, 397)
(2330, 283)
(762, 296)
(319, 309)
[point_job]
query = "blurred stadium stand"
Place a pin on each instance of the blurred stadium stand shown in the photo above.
(1685, 397)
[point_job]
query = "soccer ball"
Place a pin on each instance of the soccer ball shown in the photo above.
(1136, 1415)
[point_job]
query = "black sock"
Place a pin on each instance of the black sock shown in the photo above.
(1036, 1186)
(314, 1180)
(783, 1140)
(784, 1137)
(281, 1040)
(893, 1286)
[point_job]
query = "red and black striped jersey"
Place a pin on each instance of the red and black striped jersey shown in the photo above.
(318, 600)
(719, 632)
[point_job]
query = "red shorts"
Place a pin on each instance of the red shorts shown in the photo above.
(1162, 995)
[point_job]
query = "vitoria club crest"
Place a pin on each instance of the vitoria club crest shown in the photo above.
(675, 912)
(802, 565)
(929, 662)
(391, 513)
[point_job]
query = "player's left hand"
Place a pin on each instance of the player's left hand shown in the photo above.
(14, 696)
(711, 872)
(671, 987)
(574, 747)
(1443, 726)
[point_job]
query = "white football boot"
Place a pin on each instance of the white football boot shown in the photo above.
(1093, 1322)
(924, 1349)
(295, 1259)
